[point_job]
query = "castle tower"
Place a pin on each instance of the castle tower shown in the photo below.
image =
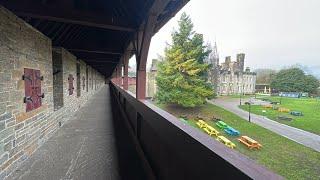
(228, 60)
(240, 61)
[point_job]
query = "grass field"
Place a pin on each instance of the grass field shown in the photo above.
(279, 154)
(308, 106)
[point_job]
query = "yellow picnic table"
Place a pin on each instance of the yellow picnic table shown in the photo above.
(267, 106)
(201, 124)
(283, 110)
(226, 142)
(211, 131)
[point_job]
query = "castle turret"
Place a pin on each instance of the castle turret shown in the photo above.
(228, 60)
(240, 61)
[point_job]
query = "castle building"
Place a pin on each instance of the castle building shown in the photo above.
(230, 77)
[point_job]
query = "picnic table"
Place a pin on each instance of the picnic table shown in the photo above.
(210, 130)
(201, 124)
(226, 142)
(250, 143)
(281, 109)
(267, 106)
(296, 113)
(231, 131)
(221, 124)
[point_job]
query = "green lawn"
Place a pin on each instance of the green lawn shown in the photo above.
(279, 154)
(308, 106)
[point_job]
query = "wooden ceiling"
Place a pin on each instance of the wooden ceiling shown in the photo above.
(96, 31)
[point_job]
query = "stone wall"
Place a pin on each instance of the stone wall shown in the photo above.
(21, 132)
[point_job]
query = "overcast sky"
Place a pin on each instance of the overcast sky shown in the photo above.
(272, 33)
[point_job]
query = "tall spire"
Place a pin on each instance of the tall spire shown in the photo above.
(215, 54)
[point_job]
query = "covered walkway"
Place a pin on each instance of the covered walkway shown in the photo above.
(89, 146)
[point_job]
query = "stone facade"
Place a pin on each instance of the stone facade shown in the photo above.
(21, 132)
(231, 78)
(151, 79)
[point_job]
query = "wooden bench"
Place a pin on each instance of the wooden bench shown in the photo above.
(226, 142)
(250, 143)
(221, 124)
(211, 131)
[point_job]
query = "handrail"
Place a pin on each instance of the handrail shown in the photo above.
(176, 150)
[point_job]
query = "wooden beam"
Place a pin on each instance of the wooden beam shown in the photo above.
(169, 15)
(42, 12)
(95, 51)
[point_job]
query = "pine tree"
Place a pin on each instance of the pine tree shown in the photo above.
(182, 75)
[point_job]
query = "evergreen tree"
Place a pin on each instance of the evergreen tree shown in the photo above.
(182, 75)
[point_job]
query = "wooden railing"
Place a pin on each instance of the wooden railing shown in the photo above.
(174, 150)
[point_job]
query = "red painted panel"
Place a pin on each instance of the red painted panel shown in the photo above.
(37, 89)
(32, 79)
(28, 81)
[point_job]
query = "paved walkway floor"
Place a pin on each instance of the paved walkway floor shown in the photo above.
(88, 147)
(300, 136)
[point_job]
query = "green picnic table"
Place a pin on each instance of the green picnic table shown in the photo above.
(221, 124)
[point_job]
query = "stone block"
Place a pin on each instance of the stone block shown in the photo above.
(3, 107)
(4, 158)
(10, 161)
(20, 139)
(19, 126)
(31, 148)
(10, 122)
(8, 146)
(6, 132)
(10, 108)
(10, 138)
(4, 96)
(5, 77)
(2, 125)
(17, 74)
(5, 116)
(20, 85)
(1, 148)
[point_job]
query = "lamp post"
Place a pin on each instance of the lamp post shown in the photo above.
(249, 104)
(241, 93)
(240, 98)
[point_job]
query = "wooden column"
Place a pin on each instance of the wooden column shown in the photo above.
(143, 41)
(119, 68)
(116, 79)
(125, 71)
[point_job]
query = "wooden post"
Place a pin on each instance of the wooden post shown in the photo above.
(125, 71)
(142, 55)
(119, 74)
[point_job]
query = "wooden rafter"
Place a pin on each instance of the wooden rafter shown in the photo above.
(73, 16)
